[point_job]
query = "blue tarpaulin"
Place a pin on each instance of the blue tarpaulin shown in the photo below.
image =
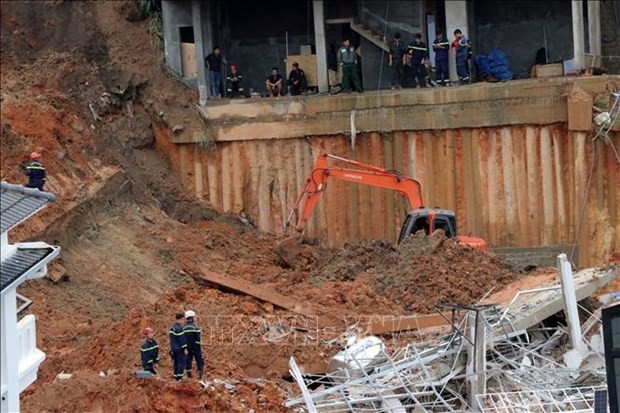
(495, 63)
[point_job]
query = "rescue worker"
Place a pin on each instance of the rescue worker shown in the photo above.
(297, 81)
(35, 172)
(396, 60)
(347, 59)
(419, 53)
(234, 85)
(178, 347)
(191, 332)
(149, 351)
(441, 46)
(461, 45)
(274, 83)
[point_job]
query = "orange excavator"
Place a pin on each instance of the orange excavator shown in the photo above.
(418, 218)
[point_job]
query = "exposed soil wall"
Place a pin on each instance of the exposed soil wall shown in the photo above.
(513, 186)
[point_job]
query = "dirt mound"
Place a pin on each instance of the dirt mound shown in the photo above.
(422, 272)
(417, 274)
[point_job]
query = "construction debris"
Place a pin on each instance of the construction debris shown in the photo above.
(494, 360)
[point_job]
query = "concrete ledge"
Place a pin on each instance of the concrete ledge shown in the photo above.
(532, 101)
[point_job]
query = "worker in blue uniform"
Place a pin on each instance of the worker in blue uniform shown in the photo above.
(178, 347)
(441, 46)
(149, 351)
(35, 172)
(461, 44)
(418, 52)
(192, 334)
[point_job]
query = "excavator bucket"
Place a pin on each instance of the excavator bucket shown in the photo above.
(296, 252)
(289, 250)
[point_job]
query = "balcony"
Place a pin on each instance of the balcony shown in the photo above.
(30, 357)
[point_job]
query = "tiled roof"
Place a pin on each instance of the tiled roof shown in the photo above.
(22, 260)
(18, 203)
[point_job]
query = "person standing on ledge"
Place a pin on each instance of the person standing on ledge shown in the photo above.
(214, 64)
(347, 59)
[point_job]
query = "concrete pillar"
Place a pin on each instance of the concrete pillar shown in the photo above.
(456, 18)
(200, 19)
(476, 357)
(10, 352)
(594, 30)
(321, 48)
(570, 303)
(578, 36)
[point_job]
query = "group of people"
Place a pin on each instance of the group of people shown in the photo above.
(185, 346)
(409, 63)
(410, 67)
(275, 85)
(297, 82)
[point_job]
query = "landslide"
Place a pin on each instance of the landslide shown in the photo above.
(82, 83)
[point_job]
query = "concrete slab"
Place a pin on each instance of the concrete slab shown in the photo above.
(531, 309)
(531, 101)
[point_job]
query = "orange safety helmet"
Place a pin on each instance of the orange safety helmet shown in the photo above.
(233, 66)
(148, 331)
(35, 155)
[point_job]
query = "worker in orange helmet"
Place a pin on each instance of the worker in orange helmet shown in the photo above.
(35, 172)
(149, 351)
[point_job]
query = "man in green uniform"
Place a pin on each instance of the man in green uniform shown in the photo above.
(347, 58)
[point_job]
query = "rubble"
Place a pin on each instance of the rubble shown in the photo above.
(487, 363)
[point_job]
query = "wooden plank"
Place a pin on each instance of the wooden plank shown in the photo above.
(394, 324)
(240, 286)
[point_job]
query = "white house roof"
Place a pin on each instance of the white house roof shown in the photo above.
(21, 262)
(18, 203)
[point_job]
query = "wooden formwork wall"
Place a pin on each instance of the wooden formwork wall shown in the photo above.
(513, 186)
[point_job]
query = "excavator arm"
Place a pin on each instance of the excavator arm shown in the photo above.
(365, 174)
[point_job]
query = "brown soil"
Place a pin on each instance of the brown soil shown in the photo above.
(134, 244)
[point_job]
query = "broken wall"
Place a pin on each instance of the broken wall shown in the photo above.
(512, 185)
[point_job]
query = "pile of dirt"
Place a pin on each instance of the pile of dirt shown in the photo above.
(419, 273)
(423, 272)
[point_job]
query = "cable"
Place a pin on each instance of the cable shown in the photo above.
(589, 181)
(585, 201)
(385, 27)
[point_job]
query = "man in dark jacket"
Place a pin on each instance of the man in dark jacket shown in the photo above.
(192, 334)
(234, 83)
(149, 352)
(418, 52)
(214, 64)
(397, 51)
(297, 81)
(35, 172)
(178, 347)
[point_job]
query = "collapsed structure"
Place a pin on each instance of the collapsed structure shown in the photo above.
(492, 359)
(20, 262)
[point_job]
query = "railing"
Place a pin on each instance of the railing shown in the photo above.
(30, 357)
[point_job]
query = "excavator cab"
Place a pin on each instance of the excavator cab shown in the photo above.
(429, 220)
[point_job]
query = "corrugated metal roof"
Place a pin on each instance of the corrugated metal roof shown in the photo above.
(18, 203)
(22, 260)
